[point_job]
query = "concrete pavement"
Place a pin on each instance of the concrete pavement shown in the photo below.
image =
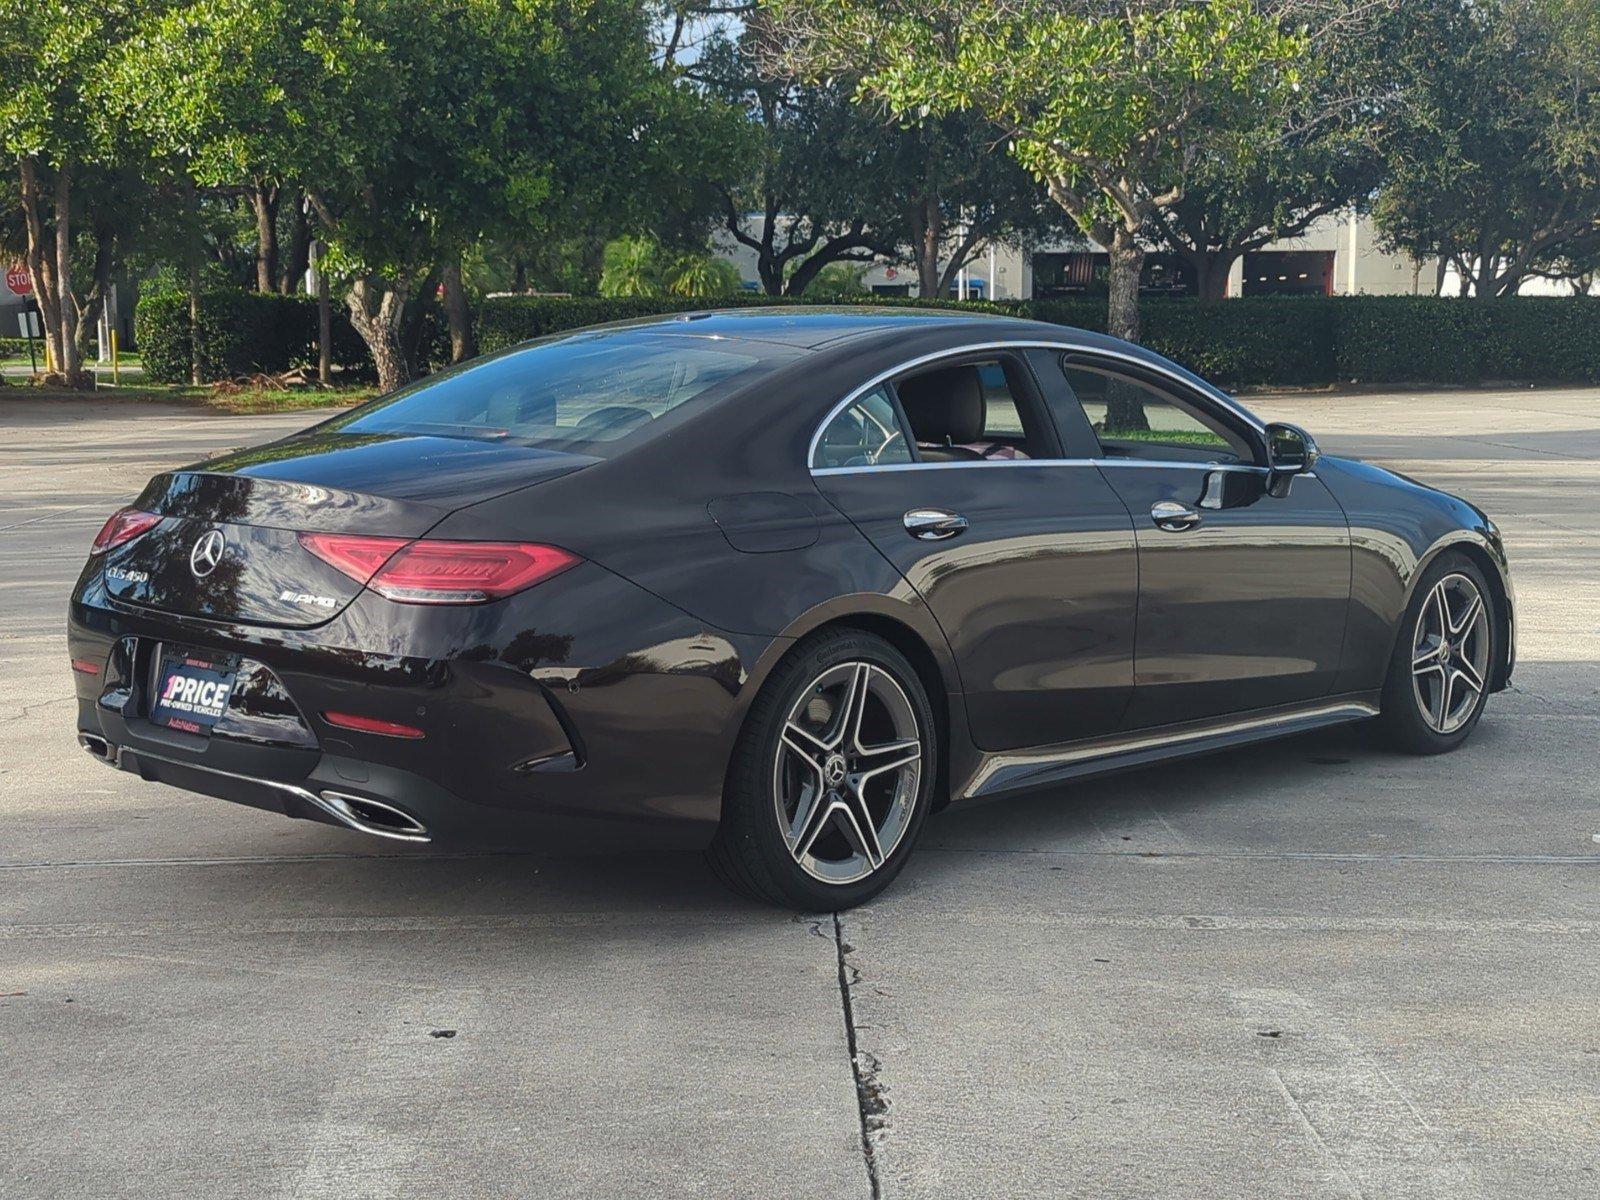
(1308, 969)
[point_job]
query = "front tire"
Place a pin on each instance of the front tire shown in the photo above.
(831, 778)
(1443, 661)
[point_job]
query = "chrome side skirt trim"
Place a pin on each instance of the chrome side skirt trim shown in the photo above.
(335, 804)
(1028, 768)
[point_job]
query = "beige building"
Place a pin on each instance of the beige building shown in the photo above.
(1337, 256)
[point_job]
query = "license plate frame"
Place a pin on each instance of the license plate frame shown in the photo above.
(192, 688)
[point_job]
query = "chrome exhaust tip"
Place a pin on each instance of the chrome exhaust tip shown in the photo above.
(97, 746)
(366, 815)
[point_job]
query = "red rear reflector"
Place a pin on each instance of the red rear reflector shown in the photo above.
(123, 526)
(372, 725)
(357, 557)
(84, 666)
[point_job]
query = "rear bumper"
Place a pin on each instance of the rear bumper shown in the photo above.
(307, 799)
(587, 713)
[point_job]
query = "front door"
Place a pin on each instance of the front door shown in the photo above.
(1026, 560)
(1242, 593)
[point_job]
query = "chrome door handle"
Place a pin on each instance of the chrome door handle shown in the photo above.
(1173, 517)
(934, 524)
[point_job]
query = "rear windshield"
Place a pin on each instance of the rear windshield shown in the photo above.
(583, 393)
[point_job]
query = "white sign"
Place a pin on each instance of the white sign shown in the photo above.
(28, 323)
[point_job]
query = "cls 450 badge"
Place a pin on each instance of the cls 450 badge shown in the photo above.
(128, 576)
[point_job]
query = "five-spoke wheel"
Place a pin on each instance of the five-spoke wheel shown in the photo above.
(1444, 660)
(1450, 653)
(832, 775)
(846, 771)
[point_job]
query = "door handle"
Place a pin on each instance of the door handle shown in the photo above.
(1173, 517)
(934, 524)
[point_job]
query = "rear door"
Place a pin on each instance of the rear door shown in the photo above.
(1242, 593)
(1025, 557)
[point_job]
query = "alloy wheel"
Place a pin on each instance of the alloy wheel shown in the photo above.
(1450, 653)
(847, 772)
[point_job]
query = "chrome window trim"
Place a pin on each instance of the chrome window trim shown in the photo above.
(1236, 410)
(1136, 463)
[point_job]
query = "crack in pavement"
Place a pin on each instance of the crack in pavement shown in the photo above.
(872, 1101)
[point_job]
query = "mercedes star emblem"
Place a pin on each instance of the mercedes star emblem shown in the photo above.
(207, 553)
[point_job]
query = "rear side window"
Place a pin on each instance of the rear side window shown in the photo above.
(578, 393)
(868, 433)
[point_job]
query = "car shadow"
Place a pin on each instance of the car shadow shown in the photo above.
(493, 883)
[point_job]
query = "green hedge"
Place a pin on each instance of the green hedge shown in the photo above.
(240, 333)
(1287, 340)
(1264, 340)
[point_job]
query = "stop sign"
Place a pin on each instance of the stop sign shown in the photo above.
(19, 281)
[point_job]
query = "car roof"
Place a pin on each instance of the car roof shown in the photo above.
(811, 327)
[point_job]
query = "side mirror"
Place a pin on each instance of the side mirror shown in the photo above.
(1290, 450)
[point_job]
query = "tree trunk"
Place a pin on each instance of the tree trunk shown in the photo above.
(1124, 411)
(458, 313)
(193, 250)
(1127, 261)
(40, 265)
(264, 200)
(800, 278)
(324, 320)
(1211, 270)
(519, 277)
(70, 361)
(931, 235)
(418, 323)
(105, 243)
(376, 311)
(299, 255)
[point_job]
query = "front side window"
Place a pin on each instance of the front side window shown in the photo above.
(1131, 419)
(580, 393)
(867, 433)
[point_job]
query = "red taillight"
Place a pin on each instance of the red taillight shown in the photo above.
(357, 557)
(85, 667)
(371, 725)
(123, 526)
(428, 572)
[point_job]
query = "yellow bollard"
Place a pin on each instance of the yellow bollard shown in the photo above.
(116, 376)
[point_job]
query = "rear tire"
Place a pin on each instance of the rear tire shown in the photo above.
(1443, 661)
(831, 777)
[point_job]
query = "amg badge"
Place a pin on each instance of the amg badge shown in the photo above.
(308, 598)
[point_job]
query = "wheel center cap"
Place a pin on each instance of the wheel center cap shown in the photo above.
(834, 770)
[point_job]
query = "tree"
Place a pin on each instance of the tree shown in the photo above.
(642, 266)
(832, 181)
(1108, 105)
(53, 57)
(956, 192)
(1494, 155)
(805, 200)
(1314, 155)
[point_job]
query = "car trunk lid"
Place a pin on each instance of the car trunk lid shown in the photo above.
(228, 548)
